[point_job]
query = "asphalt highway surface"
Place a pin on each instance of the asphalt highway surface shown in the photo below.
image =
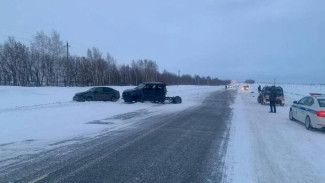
(187, 146)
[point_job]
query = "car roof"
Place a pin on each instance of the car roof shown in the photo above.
(272, 86)
(315, 97)
(154, 83)
(319, 97)
(102, 87)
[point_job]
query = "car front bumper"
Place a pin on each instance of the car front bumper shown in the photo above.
(77, 99)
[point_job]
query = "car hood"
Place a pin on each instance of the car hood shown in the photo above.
(129, 90)
(81, 93)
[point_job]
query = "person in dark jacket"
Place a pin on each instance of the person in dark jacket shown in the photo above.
(273, 99)
(259, 89)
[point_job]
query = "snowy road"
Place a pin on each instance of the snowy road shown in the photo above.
(186, 146)
(37, 119)
(224, 139)
(267, 147)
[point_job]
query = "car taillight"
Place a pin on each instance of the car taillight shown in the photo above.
(321, 114)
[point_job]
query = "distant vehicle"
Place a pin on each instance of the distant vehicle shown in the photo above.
(264, 96)
(309, 110)
(228, 86)
(245, 88)
(97, 94)
(149, 91)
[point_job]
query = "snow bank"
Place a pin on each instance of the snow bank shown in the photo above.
(33, 119)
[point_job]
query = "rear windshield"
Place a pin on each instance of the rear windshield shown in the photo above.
(92, 89)
(321, 102)
(140, 86)
(278, 90)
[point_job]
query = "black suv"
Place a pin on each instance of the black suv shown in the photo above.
(264, 96)
(154, 92)
(98, 94)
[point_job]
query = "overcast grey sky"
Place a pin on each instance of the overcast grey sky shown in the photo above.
(229, 39)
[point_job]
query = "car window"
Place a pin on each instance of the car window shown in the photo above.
(140, 86)
(92, 89)
(309, 101)
(302, 101)
(312, 102)
(321, 102)
(149, 87)
(107, 90)
(160, 87)
(99, 90)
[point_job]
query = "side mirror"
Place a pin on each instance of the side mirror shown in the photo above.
(295, 102)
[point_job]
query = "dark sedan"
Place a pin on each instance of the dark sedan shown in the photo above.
(98, 94)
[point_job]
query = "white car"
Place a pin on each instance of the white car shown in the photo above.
(309, 110)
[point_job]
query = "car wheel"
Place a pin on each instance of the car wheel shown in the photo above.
(127, 100)
(177, 100)
(113, 99)
(88, 99)
(308, 123)
(291, 115)
(162, 100)
(140, 99)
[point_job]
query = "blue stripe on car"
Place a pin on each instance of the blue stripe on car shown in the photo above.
(305, 109)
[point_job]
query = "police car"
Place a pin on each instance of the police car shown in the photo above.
(309, 110)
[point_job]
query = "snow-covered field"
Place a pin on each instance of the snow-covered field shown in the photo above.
(263, 147)
(34, 119)
(268, 147)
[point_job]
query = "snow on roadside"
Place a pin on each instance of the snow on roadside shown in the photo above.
(267, 147)
(239, 150)
(34, 119)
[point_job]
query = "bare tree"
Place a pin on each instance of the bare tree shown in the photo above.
(46, 64)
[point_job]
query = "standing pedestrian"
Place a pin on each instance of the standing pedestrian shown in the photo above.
(273, 99)
(259, 89)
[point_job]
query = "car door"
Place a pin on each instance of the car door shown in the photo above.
(300, 106)
(267, 94)
(98, 94)
(147, 92)
(306, 108)
(312, 110)
(107, 95)
(160, 91)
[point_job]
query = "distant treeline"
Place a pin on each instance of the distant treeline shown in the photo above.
(250, 81)
(46, 63)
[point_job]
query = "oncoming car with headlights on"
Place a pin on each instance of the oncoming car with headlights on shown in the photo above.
(245, 88)
(309, 110)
